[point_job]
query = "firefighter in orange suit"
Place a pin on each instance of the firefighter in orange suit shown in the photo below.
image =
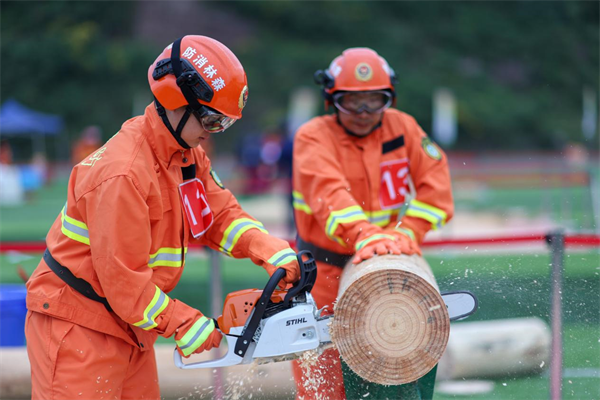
(99, 297)
(367, 181)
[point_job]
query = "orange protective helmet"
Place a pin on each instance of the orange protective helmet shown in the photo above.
(211, 74)
(357, 69)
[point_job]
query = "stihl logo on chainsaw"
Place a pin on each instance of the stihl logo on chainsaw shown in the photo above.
(296, 321)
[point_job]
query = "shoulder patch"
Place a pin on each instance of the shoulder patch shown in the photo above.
(431, 149)
(216, 178)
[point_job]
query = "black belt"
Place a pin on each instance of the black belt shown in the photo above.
(81, 285)
(324, 255)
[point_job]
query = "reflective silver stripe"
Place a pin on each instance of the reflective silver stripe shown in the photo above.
(234, 231)
(75, 229)
(196, 336)
(166, 257)
(232, 236)
(436, 216)
(153, 311)
(287, 253)
(345, 216)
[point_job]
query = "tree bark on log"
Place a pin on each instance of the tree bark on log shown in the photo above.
(391, 325)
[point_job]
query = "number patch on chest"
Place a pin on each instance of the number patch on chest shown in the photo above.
(394, 183)
(195, 204)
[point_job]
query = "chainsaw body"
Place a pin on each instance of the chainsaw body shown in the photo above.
(271, 325)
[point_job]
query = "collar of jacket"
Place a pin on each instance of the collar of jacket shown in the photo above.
(163, 143)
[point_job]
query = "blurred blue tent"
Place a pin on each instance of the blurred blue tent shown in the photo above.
(18, 120)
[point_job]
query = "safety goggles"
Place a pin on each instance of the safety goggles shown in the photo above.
(213, 121)
(358, 102)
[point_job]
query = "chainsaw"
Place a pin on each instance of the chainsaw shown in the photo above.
(272, 325)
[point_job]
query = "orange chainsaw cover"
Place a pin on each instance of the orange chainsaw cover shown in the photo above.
(239, 305)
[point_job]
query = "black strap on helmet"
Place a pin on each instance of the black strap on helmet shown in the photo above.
(176, 133)
(324, 78)
(191, 84)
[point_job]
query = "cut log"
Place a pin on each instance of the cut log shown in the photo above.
(391, 325)
(496, 349)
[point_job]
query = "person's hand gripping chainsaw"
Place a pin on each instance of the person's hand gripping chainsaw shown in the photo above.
(204, 329)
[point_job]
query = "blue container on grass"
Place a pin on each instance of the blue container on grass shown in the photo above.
(12, 315)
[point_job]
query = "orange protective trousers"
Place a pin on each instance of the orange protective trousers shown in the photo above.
(69, 361)
(324, 380)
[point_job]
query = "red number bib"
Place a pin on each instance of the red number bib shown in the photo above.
(394, 183)
(197, 210)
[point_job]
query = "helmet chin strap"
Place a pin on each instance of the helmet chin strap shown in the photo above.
(175, 132)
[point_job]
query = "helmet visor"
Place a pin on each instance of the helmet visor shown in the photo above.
(212, 121)
(372, 102)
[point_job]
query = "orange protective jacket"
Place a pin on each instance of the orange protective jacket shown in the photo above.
(347, 188)
(123, 230)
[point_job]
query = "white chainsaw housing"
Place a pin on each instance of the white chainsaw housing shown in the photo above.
(283, 336)
(290, 331)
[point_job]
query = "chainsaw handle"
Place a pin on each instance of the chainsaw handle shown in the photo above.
(308, 275)
(259, 310)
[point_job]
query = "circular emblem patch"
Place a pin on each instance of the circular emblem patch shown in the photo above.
(431, 149)
(363, 72)
(243, 98)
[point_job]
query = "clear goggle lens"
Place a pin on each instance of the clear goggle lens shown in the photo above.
(359, 102)
(212, 121)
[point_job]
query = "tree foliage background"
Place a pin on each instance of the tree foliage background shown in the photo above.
(517, 68)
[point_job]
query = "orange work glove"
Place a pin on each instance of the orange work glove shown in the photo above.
(287, 260)
(378, 244)
(407, 244)
(201, 336)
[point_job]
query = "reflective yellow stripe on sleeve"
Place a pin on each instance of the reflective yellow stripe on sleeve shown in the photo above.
(235, 230)
(437, 217)
(282, 257)
(299, 203)
(167, 257)
(197, 335)
(370, 239)
(406, 231)
(157, 305)
(344, 216)
(73, 228)
(380, 217)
